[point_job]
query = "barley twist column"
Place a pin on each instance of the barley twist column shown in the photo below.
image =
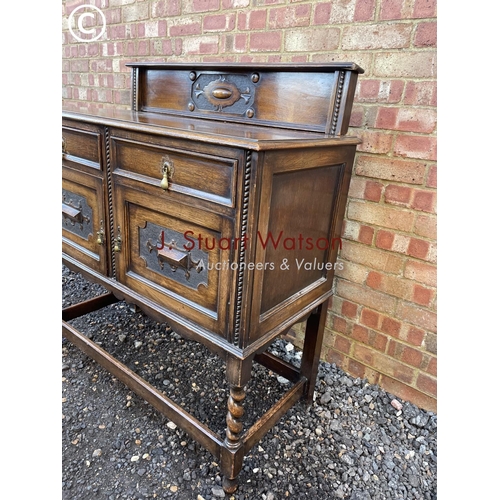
(233, 429)
(234, 416)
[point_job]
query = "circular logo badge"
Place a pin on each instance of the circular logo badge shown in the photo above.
(82, 30)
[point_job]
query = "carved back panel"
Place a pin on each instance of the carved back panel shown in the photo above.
(301, 97)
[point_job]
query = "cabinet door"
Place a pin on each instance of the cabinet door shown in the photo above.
(83, 219)
(174, 254)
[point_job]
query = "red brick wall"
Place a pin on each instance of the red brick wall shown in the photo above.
(382, 320)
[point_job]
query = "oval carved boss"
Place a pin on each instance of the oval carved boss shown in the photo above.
(221, 93)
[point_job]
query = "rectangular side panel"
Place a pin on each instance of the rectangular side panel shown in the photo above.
(298, 236)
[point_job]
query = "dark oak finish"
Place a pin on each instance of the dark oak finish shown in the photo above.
(192, 204)
(313, 97)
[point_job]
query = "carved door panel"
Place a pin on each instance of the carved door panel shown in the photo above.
(173, 254)
(84, 236)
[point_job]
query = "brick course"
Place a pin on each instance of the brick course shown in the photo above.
(382, 319)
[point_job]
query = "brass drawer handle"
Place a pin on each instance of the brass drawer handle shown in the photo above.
(63, 146)
(167, 170)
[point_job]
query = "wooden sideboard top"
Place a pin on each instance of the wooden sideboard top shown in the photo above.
(281, 67)
(246, 136)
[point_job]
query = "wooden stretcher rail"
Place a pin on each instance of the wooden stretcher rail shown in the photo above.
(272, 416)
(162, 403)
(77, 310)
(278, 366)
(192, 426)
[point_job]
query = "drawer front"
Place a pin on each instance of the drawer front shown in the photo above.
(208, 174)
(83, 220)
(81, 144)
(170, 253)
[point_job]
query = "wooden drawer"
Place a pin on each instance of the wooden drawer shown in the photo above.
(171, 252)
(81, 144)
(83, 219)
(207, 173)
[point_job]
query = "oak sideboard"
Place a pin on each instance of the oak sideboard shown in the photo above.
(214, 204)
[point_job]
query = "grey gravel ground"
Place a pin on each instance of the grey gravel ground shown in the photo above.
(352, 443)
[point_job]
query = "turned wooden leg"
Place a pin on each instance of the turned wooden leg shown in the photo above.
(234, 429)
(312, 348)
(238, 374)
(234, 416)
